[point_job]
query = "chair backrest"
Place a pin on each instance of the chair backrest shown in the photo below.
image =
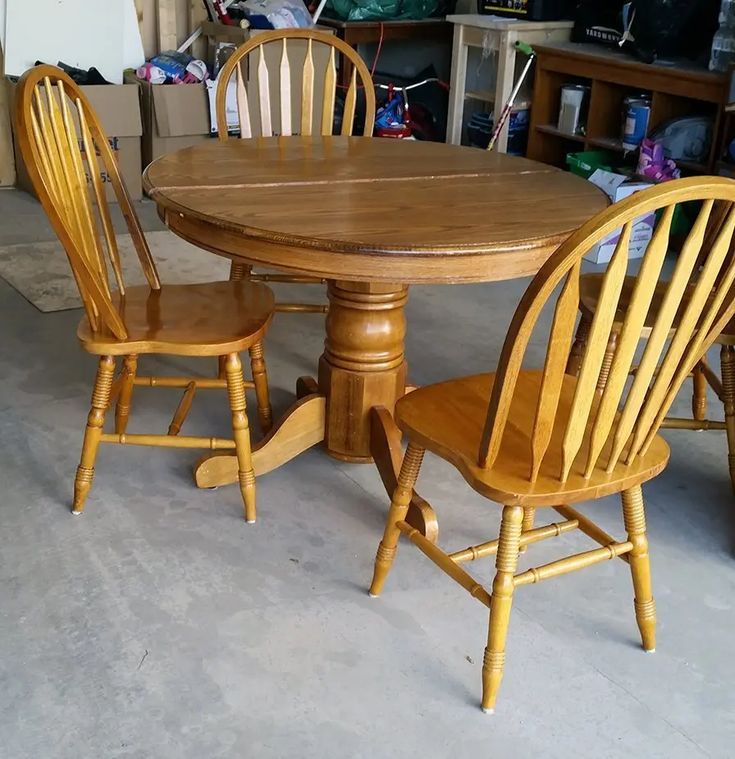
(699, 299)
(307, 118)
(70, 162)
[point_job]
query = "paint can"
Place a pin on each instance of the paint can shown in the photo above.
(637, 112)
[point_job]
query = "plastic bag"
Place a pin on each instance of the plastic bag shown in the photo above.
(675, 27)
(283, 14)
(381, 10)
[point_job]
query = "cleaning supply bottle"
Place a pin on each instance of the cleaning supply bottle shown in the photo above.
(723, 43)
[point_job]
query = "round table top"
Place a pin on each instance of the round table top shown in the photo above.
(366, 209)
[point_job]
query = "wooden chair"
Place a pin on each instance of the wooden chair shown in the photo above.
(538, 439)
(702, 375)
(68, 154)
(307, 118)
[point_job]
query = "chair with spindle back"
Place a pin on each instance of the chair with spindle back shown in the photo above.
(295, 63)
(65, 148)
(529, 439)
(703, 376)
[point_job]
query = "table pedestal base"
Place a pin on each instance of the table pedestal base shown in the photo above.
(361, 376)
(363, 364)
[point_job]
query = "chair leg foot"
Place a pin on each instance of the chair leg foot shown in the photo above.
(397, 513)
(95, 422)
(241, 433)
(645, 606)
(506, 563)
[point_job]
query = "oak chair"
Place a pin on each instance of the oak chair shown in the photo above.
(545, 439)
(68, 154)
(703, 376)
(295, 115)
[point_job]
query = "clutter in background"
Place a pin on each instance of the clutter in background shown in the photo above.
(381, 10)
(617, 187)
(260, 14)
(723, 43)
(173, 67)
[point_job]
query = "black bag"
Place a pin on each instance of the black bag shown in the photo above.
(674, 28)
(599, 21)
(658, 28)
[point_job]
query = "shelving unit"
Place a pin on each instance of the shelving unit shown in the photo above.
(678, 89)
(491, 37)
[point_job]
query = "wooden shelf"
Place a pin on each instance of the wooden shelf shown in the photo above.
(484, 95)
(606, 143)
(556, 132)
(675, 91)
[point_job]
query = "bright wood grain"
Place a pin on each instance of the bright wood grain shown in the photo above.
(243, 110)
(285, 83)
(65, 151)
(307, 90)
(330, 81)
(528, 439)
(264, 95)
(282, 38)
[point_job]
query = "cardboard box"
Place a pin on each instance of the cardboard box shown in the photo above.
(175, 116)
(617, 187)
(118, 109)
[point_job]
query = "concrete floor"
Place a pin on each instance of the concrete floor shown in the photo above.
(160, 625)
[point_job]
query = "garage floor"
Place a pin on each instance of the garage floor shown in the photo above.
(160, 625)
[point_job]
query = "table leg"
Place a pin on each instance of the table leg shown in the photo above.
(363, 364)
(385, 445)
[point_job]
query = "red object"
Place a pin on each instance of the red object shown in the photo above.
(398, 131)
(224, 16)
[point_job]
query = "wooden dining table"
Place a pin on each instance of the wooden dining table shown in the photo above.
(371, 217)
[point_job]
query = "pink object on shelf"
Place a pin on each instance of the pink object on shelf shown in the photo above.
(653, 163)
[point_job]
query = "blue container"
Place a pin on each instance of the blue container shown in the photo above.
(637, 114)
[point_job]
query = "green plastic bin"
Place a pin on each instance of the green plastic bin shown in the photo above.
(585, 164)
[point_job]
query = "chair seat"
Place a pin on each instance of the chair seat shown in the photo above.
(448, 419)
(591, 286)
(209, 319)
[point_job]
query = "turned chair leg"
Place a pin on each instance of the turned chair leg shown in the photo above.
(397, 513)
(260, 378)
(580, 342)
(529, 517)
(727, 364)
(635, 525)
(699, 394)
(239, 271)
(607, 361)
(95, 422)
(122, 407)
(506, 562)
(241, 433)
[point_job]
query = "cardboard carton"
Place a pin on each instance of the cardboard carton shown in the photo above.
(617, 187)
(175, 116)
(118, 109)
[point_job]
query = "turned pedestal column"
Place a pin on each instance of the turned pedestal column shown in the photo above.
(363, 364)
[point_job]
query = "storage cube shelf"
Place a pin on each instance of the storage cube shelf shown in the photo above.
(679, 89)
